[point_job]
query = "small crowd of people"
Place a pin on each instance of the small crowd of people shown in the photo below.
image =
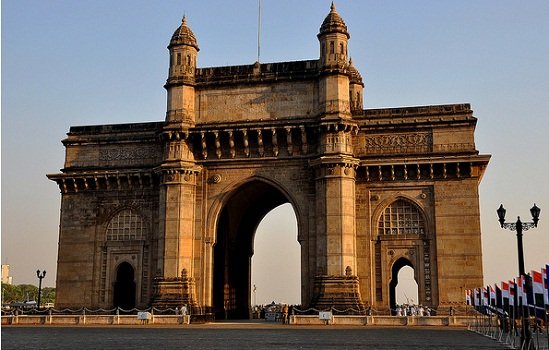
(273, 312)
(412, 310)
(181, 311)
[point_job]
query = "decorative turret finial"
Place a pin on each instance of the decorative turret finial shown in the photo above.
(333, 23)
(183, 35)
(354, 74)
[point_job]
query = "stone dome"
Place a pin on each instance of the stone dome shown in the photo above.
(354, 74)
(183, 35)
(333, 23)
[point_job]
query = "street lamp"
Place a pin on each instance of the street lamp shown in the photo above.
(520, 226)
(40, 276)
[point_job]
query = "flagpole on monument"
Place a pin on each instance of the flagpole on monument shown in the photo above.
(258, 30)
(519, 226)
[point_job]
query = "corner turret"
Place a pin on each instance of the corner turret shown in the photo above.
(333, 37)
(356, 88)
(181, 77)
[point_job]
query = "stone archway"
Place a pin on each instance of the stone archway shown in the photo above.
(299, 124)
(397, 266)
(124, 287)
(233, 250)
(407, 289)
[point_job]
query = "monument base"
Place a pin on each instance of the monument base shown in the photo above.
(341, 294)
(174, 292)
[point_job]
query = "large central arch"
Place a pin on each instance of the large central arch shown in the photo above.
(233, 251)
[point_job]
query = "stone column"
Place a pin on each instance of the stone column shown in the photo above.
(336, 284)
(174, 283)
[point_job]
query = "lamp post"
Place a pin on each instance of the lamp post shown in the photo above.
(520, 226)
(40, 276)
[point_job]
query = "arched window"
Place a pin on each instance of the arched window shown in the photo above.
(331, 47)
(341, 48)
(401, 218)
(128, 225)
(178, 58)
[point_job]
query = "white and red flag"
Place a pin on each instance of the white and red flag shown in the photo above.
(520, 289)
(537, 287)
(477, 296)
(485, 296)
(492, 296)
(468, 296)
(545, 273)
(513, 293)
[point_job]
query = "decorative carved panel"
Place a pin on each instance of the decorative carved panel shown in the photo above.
(417, 142)
(128, 154)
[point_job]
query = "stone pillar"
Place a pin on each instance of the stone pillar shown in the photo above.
(174, 283)
(458, 246)
(336, 284)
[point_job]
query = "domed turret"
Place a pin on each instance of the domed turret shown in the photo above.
(356, 88)
(333, 37)
(183, 51)
(183, 36)
(333, 67)
(354, 74)
(333, 23)
(181, 77)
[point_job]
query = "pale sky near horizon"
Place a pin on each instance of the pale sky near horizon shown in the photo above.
(68, 63)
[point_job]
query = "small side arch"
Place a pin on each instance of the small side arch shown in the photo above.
(397, 265)
(124, 289)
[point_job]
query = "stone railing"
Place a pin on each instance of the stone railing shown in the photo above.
(389, 321)
(81, 320)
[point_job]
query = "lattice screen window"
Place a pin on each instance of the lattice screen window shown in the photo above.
(126, 226)
(401, 218)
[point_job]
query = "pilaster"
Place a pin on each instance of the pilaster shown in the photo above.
(335, 282)
(176, 227)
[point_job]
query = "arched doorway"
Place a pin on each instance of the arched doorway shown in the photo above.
(397, 267)
(233, 250)
(276, 262)
(406, 290)
(124, 287)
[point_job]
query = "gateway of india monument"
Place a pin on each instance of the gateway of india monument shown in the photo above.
(164, 213)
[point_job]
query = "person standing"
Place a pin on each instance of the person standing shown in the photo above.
(285, 314)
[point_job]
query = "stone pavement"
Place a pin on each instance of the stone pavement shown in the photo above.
(240, 335)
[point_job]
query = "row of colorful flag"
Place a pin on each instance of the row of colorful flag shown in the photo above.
(531, 290)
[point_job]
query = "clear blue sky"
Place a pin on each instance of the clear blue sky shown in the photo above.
(67, 62)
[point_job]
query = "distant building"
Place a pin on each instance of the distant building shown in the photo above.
(6, 278)
(164, 213)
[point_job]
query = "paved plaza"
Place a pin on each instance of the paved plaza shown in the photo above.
(241, 336)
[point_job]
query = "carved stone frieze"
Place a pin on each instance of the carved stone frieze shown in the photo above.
(416, 142)
(133, 153)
